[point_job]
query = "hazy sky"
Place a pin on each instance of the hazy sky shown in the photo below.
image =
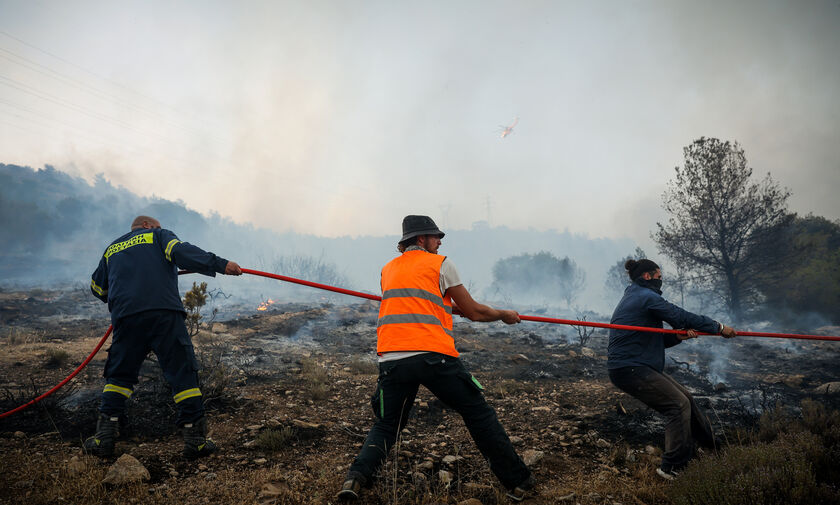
(341, 117)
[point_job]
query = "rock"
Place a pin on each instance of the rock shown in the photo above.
(445, 477)
(603, 444)
(76, 466)
(126, 470)
(210, 476)
(630, 457)
(531, 457)
(541, 409)
(567, 497)
(520, 359)
(719, 387)
(427, 465)
(306, 425)
(589, 353)
(829, 388)
(260, 461)
(449, 459)
(470, 501)
(254, 427)
(474, 488)
(202, 468)
(572, 354)
(419, 480)
(20, 434)
(653, 451)
(516, 440)
(173, 473)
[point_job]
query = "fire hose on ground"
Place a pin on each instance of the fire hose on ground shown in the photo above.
(359, 294)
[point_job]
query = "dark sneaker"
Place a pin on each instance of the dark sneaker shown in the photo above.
(667, 474)
(102, 442)
(351, 488)
(196, 443)
(523, 490)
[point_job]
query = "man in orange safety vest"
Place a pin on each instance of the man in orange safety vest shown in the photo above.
(415, 345)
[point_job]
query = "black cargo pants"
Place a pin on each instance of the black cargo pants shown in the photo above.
(447, 379)
(684, 422)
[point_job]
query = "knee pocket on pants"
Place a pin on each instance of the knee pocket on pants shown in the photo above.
(189, 351)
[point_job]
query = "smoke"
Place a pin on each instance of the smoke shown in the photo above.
(58, 226)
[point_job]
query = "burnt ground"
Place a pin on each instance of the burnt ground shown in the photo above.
(287, 391)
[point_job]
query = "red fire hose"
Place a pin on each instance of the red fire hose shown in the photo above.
(369, 296)
(537, 319)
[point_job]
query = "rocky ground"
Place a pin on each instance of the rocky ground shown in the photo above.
(288, 389)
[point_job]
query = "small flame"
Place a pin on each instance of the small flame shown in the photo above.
(266, 304)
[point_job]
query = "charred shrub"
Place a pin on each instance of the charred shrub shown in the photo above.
(791, 461)
(217, 379)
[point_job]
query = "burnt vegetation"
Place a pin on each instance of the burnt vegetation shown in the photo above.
(288, 389)
(287, 386)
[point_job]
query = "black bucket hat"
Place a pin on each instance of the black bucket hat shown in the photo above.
(414, 226)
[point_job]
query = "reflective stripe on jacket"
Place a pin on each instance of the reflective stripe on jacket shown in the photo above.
(139, 271)
(414, 315)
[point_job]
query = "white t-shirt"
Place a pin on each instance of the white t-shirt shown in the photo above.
(449, 278)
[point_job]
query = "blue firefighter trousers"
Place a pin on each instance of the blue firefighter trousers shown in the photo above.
(161, 331)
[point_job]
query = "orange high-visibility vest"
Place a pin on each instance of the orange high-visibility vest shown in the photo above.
(414, 315)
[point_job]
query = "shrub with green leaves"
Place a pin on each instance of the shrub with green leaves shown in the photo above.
(793, 462)
(56, 357)
(272, 440)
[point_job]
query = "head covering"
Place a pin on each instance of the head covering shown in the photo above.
(414, 226)
(637, 267)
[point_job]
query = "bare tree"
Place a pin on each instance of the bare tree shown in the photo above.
(723, 225)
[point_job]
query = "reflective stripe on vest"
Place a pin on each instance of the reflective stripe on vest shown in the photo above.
(414, 315)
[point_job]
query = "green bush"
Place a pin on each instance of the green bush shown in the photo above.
(56, 357)
(793, 461)
(274, 440)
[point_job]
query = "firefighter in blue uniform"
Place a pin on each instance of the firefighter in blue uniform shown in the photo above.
(138, 277)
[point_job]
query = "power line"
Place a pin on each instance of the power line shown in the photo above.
(112, 82)
(99, 93)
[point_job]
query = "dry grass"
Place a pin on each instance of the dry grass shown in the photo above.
(363, 366)
(315, 377)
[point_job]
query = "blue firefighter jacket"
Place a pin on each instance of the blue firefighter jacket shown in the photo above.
(139, 271)
(642, 306)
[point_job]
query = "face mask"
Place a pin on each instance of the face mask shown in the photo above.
(656, 284)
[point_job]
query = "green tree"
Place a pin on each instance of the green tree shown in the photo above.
(811, 282)
(194, 299)
(723, 226)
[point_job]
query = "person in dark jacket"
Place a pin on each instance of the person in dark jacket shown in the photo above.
(636, 360)
(137, 277)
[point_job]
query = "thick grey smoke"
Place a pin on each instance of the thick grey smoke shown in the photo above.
(58, 225)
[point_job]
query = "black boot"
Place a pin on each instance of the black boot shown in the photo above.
(196, 443)
(102, 442)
